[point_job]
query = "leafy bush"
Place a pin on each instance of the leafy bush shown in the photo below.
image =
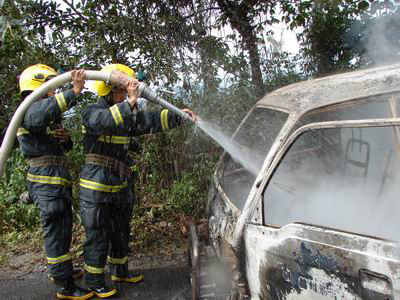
(185, 197)
(14, 215)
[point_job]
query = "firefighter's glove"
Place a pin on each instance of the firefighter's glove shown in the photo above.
(191, 114)
(78, 81)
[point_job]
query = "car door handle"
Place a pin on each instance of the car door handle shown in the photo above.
(375, 282)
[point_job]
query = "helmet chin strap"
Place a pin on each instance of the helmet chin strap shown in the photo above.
(25, 94)
(109, 98)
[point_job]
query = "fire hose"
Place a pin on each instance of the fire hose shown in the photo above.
(113, 78)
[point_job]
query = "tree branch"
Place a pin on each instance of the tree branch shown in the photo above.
(47, 20)
(200, 11)
(74, 9)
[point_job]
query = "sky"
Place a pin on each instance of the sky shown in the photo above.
(288, 38)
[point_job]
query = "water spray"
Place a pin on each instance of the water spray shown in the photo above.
(249, 162)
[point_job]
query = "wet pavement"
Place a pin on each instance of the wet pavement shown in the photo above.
(159, 283)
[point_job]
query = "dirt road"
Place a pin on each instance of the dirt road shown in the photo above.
(164, 278)
(163, 283)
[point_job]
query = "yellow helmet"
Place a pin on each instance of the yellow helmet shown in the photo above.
(34, 76)
(103, 89)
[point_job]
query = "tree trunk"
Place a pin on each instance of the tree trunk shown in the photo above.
(239, 20)
(203, 45)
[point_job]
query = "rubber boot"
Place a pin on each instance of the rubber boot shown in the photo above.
(130, 277)
(76, 273)
(68, 290)
(104, 291)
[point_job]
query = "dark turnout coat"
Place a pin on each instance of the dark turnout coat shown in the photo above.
(36, 138)
(109, 132)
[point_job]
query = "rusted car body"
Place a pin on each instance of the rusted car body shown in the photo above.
(319, 217)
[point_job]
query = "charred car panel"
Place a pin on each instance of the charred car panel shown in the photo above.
(305, 262)
(222, 217)
(297, 260)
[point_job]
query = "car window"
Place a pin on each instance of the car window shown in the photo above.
(346, 179)
(253, 141)
(377, 107)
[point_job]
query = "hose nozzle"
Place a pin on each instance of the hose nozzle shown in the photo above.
(149, 94)
(146, 92)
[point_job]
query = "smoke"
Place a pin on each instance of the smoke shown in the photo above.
(376, 36)
(355, 188)
(383, 41)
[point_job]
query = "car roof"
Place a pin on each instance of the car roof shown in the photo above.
(311, 94)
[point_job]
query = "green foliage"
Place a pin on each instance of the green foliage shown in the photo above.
(19, 49)
(186, 197)
(14, 215)
(325, 45)
(341, 35)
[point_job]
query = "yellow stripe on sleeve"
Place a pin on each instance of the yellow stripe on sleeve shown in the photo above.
(116, 114)
(62, 104)
(22, 131)
(119, 116)
(114, 139)
(164, 119)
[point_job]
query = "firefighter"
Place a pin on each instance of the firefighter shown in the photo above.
(106, 199)
(43, 142)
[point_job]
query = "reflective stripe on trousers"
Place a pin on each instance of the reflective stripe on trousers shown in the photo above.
(47, 179)
(117, 261)
(59, 259)
(93, 185)
(93, 270)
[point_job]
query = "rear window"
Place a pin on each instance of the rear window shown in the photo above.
(345, 178)
(236, 174)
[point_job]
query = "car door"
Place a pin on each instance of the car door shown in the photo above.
(330, 216)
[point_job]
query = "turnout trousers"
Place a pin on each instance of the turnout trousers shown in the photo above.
(56, 219)
(107, 237)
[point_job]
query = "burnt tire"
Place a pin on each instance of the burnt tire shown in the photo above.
(194, 260)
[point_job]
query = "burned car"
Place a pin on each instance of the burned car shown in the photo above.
(317, 214)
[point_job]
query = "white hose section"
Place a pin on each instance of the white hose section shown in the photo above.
(52, 84)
